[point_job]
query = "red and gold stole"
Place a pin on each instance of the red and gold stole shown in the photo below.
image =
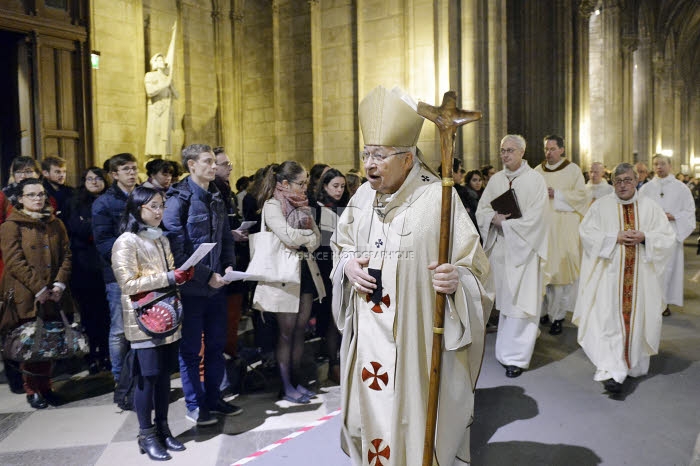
(628, 277)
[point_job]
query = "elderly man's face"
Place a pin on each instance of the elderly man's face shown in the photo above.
(386, 167)
(552, 152)
(511, 155)
(625, 185)
(596, 173)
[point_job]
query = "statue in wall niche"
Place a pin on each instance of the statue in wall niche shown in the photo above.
(160, 91)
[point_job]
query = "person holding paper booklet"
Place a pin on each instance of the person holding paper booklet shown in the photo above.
(517, 249)
(287, 214)
(142, 262)
(196, 214)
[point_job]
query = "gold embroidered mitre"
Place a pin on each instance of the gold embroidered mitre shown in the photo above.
(388, 118)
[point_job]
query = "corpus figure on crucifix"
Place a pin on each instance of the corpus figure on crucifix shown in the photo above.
(385, 281)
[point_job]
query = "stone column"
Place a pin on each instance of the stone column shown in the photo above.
(334, 83)
(317, 80)
(233, 122)
(484, 79)
(680, 121)
(629, 45)
(220, 47)
(613, 85)
(659, 67)
(277, 79)
(580, 139)
(643, 101)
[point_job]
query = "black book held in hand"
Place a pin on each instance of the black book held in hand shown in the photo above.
(506, 204)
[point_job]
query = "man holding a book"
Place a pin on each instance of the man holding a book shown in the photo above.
(515, 239)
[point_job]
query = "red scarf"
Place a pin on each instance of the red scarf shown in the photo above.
(295, 208)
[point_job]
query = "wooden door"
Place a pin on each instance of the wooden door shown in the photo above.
(60, 115)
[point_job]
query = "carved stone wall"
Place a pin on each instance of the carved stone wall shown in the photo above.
(118, 96)
(281, 79)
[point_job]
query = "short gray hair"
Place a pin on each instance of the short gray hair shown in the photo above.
(622, 168)
(192, 152)
(517, 139)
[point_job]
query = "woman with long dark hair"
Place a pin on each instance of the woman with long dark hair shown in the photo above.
(87, 283)
(473, 187)
(142, 262)
(287, 214)
(332, 196)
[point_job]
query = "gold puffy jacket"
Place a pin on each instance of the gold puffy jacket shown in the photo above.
(141, 264)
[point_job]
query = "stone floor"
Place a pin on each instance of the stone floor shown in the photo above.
(554, 414)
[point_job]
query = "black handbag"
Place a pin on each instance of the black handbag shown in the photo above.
(158, 312)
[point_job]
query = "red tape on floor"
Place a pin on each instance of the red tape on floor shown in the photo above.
(286, 439)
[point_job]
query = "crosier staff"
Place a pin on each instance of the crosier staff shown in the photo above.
(448, 118)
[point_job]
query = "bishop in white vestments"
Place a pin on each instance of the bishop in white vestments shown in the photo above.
(627, 242)
(385, 281)
(676, 200)
(517, 248)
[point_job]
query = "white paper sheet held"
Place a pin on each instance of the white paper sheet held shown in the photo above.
(247, 225)
(235, 275)
(197, 256)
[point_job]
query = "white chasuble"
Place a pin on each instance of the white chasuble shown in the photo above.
(517, 249)
(621, 287)
(675, 198)
(566, 209)
(385, 351)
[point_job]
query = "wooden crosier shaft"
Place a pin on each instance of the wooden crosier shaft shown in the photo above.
(448, 118)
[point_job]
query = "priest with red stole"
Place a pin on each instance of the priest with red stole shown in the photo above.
(627, 242)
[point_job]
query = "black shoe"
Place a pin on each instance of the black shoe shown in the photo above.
(37, 401)
(227, 409)
(149, 443)
(667, 312)
(166, 437)
(53, 398)
(544, 320)
(612, 386)
(513, 371)
(556, 328)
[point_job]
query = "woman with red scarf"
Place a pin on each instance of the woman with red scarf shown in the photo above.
(287, 214)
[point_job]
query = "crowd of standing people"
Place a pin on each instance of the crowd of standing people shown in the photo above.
(592, 244)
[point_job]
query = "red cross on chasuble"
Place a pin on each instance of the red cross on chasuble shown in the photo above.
(375, 371)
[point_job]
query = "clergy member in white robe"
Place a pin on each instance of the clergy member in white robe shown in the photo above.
(676, 200)
(384, 289)
(597, 187)
(568, 202)
(516, 248)
(627, 242)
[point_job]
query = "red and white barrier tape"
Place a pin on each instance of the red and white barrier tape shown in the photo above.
(286, 439)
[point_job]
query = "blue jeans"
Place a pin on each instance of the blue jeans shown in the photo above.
(118, 346)
(208, 316)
